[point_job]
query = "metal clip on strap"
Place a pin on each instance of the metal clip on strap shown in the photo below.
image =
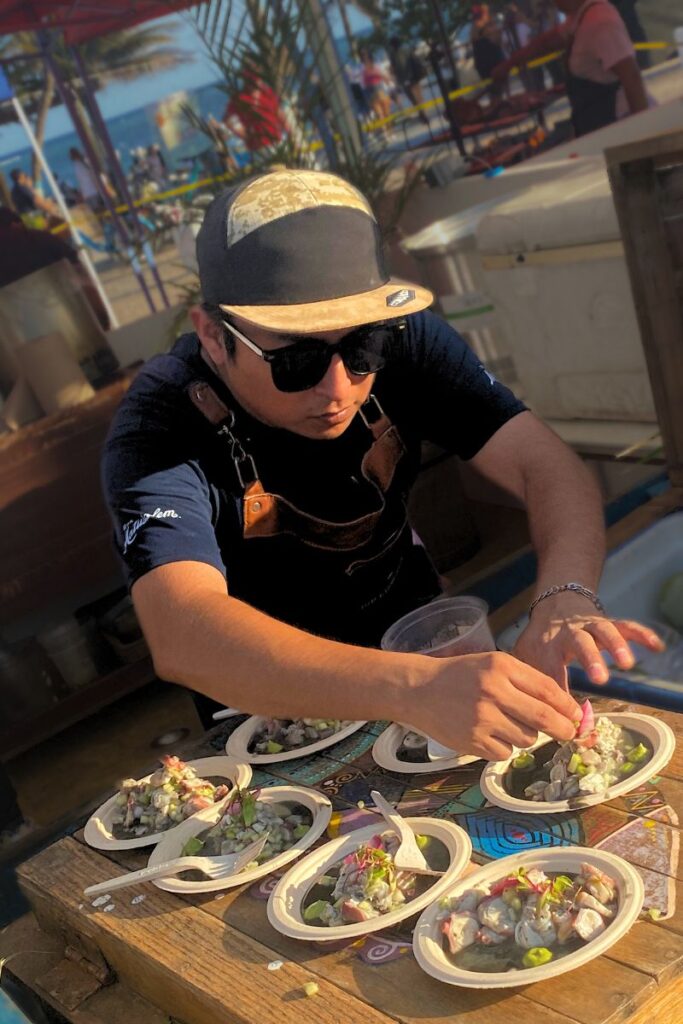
(238, 455)
(205, 399)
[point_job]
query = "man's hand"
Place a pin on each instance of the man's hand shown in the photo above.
(487, 703)
(566, 628)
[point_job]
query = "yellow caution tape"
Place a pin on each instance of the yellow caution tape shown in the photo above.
(400, 115)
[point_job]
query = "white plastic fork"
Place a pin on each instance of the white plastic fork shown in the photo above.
(218, 716)
(214, 868)
(408, 857)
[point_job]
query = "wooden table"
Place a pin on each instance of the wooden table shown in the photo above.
(209, 959)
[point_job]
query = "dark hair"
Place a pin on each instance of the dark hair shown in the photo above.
(216, 314)
(16, 173)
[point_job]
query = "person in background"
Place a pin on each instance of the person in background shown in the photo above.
(376, 86)
(410, 72)
(487, 45)
(24, 250)
(546, 17)
(257, 477)
(354, 75)
(86, 180)
(156, 165)
(139, 171)
(219, 133)
(254, 114)
(604, 82)
(27, 200)
(629, 14)
(518, 28)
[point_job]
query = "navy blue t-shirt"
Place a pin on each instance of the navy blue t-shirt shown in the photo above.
(167, 480)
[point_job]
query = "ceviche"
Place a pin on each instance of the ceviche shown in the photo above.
(366, 883)
(601, 754)
(527, 919)
(285, 734)
(172, 794)
(245, 820)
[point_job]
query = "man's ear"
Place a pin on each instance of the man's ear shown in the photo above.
(210, 335)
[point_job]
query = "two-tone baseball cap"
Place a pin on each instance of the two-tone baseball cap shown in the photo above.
(299, 251)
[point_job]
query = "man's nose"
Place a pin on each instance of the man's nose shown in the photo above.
(337, 382)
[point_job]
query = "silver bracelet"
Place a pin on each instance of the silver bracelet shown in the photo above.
(578, 588)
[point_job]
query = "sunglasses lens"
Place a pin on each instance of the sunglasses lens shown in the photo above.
(303, 365)
(364, 353)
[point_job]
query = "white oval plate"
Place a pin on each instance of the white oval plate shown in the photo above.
(658, 733)
(286, 899)
(238, 743)
(172, 844)
(388, 742)
(98, 828)
(428, 940)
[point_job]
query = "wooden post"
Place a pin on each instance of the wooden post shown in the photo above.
(647, 184)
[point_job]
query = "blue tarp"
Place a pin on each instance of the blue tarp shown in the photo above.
(6, 92)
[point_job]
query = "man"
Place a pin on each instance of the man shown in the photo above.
(24, 250)
(87, 181)
(257, 477)
(604, 82)
(410, 72)
(27, 201)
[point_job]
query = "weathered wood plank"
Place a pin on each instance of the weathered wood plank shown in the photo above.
(399, 987)
(184, 961)
(32, 954)
(665, 1008)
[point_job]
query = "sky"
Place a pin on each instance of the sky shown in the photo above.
(120, 97)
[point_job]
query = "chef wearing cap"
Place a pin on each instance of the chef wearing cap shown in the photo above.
(257, 477)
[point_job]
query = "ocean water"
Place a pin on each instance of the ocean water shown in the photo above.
(161, 123)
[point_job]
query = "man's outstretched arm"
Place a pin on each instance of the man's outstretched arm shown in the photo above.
(204, 639)
(566, 522)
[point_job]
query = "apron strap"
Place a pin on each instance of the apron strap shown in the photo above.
(205, 399)
(267, 515)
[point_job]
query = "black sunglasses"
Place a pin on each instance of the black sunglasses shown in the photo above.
(304, 363)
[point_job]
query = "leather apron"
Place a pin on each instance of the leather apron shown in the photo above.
(348, 580)
(593, 104)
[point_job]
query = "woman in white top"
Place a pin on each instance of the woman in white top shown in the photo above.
(604, 82)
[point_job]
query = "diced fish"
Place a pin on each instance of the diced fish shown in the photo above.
(552, 791)
(588, 924)
(535, 930)
(496, 915)
(460, 930)
(584, 899)
(470, 900)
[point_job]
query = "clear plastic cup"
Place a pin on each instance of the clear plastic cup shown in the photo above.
(446, 627)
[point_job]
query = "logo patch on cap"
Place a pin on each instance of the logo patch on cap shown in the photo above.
(400, 298)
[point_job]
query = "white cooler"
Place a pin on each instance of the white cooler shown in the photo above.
(446, 252)
(553, 265)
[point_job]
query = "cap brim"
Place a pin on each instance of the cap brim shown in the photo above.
(336, 314)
